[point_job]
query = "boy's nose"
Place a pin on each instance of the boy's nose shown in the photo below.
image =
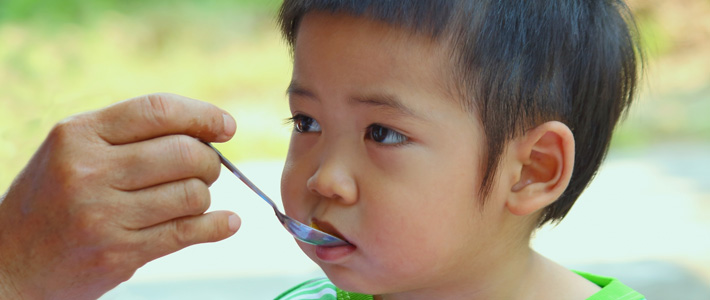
(334, 180)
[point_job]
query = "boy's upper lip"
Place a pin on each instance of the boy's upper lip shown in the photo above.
(328, 228)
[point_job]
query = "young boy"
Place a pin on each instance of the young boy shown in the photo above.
(436, 136)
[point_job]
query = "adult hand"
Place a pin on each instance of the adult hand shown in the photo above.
(109, 191)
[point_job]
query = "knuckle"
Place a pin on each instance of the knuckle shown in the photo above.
(184, 233)
(62, 129)
(195, 196)
(67, 129)
(89, 224)
(187, 154)
(157, 108)
(73, 171)
(72, 177)
(199, 160)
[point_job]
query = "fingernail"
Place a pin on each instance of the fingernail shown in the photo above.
(234, 223)
(230, 126)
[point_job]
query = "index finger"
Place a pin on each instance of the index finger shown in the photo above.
(156, 115)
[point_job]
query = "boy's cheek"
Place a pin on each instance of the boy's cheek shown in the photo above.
(286, 184)
(292, 191)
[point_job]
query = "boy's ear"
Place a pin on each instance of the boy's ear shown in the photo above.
(543, 161)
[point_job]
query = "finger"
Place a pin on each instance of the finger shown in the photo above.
(156, 115)
(171, 236)
(164, 159)
(158, 204)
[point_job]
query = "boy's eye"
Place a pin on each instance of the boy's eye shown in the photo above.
(302, 123)
(384, 135)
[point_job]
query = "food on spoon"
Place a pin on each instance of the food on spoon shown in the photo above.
(314, 226)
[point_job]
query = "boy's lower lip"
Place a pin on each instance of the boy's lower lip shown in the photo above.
(333, 254)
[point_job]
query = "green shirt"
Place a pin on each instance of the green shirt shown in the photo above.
(612, 289)
(323, 289)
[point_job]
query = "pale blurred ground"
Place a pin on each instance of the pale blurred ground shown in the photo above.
(645, 219)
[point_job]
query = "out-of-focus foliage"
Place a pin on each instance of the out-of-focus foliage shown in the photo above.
(674, 102)
(59, 58)
(82, 11)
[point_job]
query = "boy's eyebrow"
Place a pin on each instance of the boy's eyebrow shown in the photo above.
(297, 89)
(378, 99)
(385, 100)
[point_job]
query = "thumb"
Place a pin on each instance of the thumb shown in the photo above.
(176, 234)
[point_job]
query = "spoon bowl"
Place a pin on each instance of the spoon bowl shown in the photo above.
(300, 231)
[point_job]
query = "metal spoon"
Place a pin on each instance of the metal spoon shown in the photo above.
(299, 230)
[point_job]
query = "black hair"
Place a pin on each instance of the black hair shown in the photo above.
(519, 64)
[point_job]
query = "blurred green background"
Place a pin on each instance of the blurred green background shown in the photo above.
(59, 58)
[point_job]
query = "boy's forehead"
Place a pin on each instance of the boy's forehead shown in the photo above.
(346, 27)
(360, 39)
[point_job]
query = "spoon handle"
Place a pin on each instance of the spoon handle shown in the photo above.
(241, 176)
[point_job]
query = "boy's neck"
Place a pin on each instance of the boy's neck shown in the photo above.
(500, 277)
(551, 280)
(527, 275)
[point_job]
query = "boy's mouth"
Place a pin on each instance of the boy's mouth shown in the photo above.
(327, 228)
(331, 254)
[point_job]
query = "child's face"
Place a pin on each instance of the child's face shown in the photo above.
(385, 155)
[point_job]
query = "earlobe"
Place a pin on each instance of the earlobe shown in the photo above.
(545, 156)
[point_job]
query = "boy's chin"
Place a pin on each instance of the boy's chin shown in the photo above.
(352, 280)
(349, 282)
(342, 275)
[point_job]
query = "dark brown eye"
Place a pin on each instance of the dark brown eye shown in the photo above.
(384, 135)
(302, 123)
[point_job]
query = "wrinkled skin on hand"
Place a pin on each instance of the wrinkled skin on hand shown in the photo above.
(109, 191)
